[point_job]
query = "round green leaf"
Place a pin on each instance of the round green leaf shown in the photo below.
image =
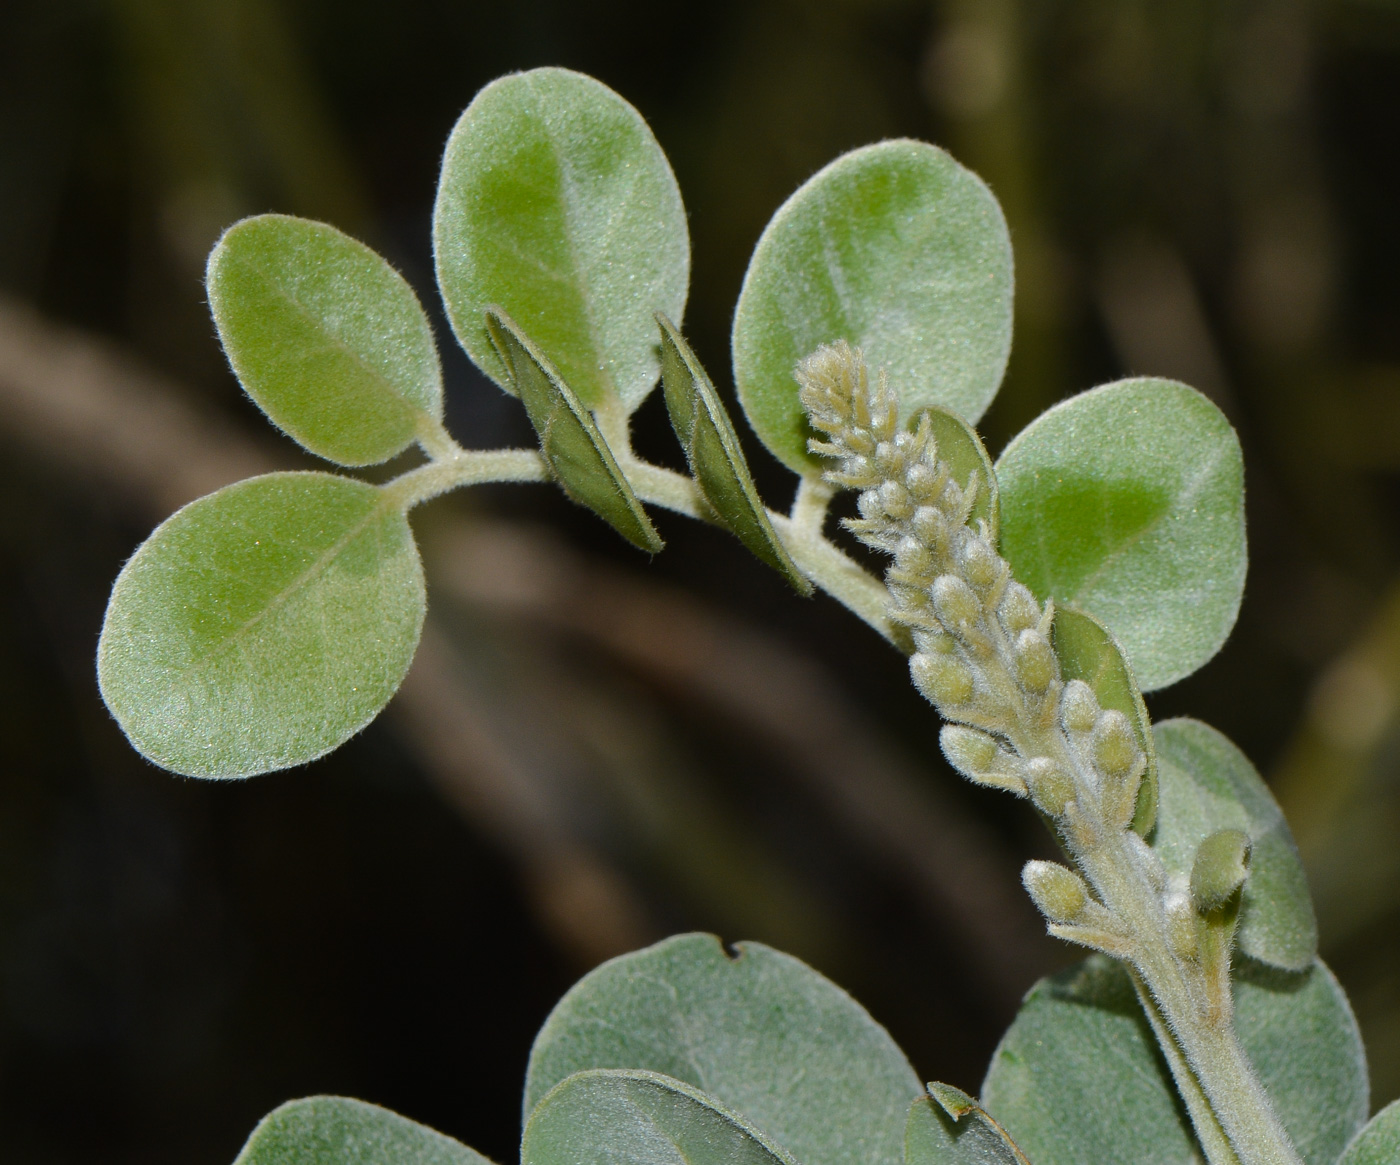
(1128, 502)
(325, 336)
(333, 1130)
(1379, 1142)
(899, 250)
(1206, 784)
(639, 1118)
(557, 204)
(761, 1032)
(1078, 1076)
(262, 626)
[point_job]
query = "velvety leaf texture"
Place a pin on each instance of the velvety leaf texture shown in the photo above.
(1207, 784)
(1078, 1076)
(332, 1130)
(761, 1032)
(557, 203)
(262, 626)
(1128, 502)
(955, 1130)
(962, 449)
(1379, 1142)
(897, 249)
(328, 338)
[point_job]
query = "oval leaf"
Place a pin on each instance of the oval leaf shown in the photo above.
(956, 1130)
(1128, 502)
(1207, 784)
(639, 1118)
(332, 1130)
(765, 1034)
(962, 449)
(557, 203)
(714, 455)
(574, 449)
(1078, 1076)
(1088, 652)
(262, 626)
(902, 252)
(326, 337)
(1379, 1142)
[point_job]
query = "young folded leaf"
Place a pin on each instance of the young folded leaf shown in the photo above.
(716, 460)
(950, 1128)
(333, 1130)
(577, 454)
(326, 337)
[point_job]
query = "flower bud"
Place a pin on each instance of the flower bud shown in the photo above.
(943, 679)
(913, 557)
(1060, 893)
(1220, 868)
(980, 563)
(1051, 787)
(955, 601)
(1115, 746)
(894, 499)
(1079, 707)
(922, 481)
(887, 458)
(931, 527)
(982, 758)
(1035, 661)
(1019, 610)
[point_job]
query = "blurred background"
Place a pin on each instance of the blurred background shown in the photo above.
(594, 750)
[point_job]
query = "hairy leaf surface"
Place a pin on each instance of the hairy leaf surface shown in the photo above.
(1128, 502)
(953, 1129)
(262, 626)
(962, 449)
(333, 1130)
(1379, 1142)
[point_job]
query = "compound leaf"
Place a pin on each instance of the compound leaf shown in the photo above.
(325, 336)
(333, 1130)
(574, 449)
(761, 1032)
(1078, 1076)
(1207, 784)
(1127, 501)
(953, 1129)
(1379, 1142)
(557, 203)
(263, 625)
(715, 457)
(899, 250)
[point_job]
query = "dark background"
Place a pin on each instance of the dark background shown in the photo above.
(600, 750)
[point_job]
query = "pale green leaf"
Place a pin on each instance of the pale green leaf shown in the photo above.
(1379, 1142)
(956, 1130)
(962, 449)
(573, 448)
(557, 203)
(1207, 784)
(1128, 502)
(328, 338)
(900, 251)
(332, 1130)
(262, 626)
(1088, 652)
(715, 457)
(761, 1032)
(629, 1117)
(1078, 1076)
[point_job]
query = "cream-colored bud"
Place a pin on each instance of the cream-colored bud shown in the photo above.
(943, 679)
(981, 566)
(922, 481)
(912, 557)
(888, 458)
(1060, 893)
(859, 441)
(1079, 707)
(955, 601)
(1035, 661)
(894, 499)
(1019, 610)
(971, 752)
(1051, 787)
(931, 527)
(934, 641)
(1115, 746)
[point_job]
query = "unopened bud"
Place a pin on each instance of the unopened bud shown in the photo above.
(1115, 747)
(887, 458)
(971, 752)
(1079, 707)
(1051, 787)
(1220, 868)
(1035, 661)
(980, 563)
(955, 601)
(943, 679)
(913, 557)
(1060, 893)
(1019, 610)
(894, 499)
(931, 527)
(921, 479)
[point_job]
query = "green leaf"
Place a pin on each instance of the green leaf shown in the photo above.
(761, 1032)
(1078, 1076)
(902, 252)
(332, 1130)
(1207, 784)
(574, 449)
(557, 203)
(1088, 652)
(962, 449)
(956, 1131)
(328, 338)
(1379, 1142)
(716, 460)
(262, 626)
(1128, 502)
(640, 1118)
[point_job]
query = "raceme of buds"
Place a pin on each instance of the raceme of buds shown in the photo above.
(1060, 893)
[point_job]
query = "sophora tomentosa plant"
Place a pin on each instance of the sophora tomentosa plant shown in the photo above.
(1102, 555)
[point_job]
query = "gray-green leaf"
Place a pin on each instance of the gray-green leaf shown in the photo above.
(902, 252)
(1207, 784)
(956, 1131)
(1128, 502)
(962, 449)
(573, 448)
(1078, 1076)
(1087, 651)
(325, 336)
(761, 1032)
(1379, 1142)
(557, 203)
(713, 453)
(262, 626)
(333, 1130)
